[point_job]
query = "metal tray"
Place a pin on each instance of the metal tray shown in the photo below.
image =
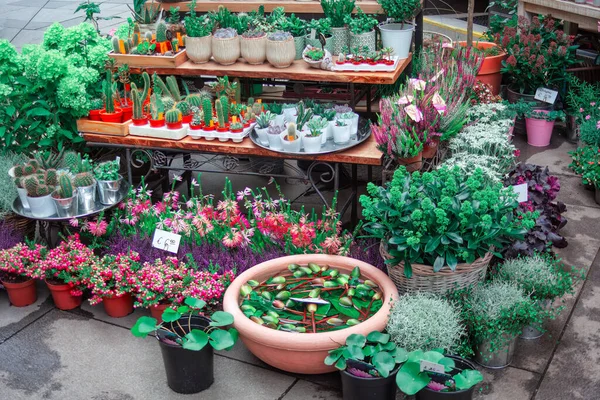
(364, 131)
(17, 207)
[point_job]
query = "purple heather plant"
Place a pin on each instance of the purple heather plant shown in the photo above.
(8, 236)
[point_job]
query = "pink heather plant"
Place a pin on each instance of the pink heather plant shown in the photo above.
(20, 263)
(112, 276)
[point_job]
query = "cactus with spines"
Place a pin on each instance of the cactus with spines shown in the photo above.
(148, 36)
(156, 106)
(28, 168)
(291, 133)
(71, 160)
(115, 45)
(159, 85)
(207, 110)
(173, 88)
(250, 101)
(137, 35)
(65, 184)
(161, 32)
(237, 90)
(84, 179)
(146, 79)
(108, 93)
(47, 160)
(36, 185)
(256, 108)
(250, 115)
(19, 171)
(220, 114)
(127, 45)
(173, 116)
(184, 107)
(225, 104)
(138, 112)
(168, 102)
(51, 177)
(194, 100)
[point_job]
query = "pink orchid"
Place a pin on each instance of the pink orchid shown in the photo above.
(414, 113)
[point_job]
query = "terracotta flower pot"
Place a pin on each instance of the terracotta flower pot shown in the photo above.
(157, 123)
(127, 113)
(118, 307)
(281, 54)
(157, 311)
(94, 115)
(430, 149)
(303, 352)
(63, 299)
(490, 69)
(115, 117)
(186, 119)
(21, 294)
(140, 122)
(412, 163)
(254, 50)
(175, 125)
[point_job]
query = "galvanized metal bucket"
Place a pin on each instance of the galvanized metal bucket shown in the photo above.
(109, 191)
(66, 207)
(501, 358)
(531, 332)
(87, 198)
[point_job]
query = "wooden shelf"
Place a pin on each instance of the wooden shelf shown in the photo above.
(298, 71)
(297, 7)
(584, 15)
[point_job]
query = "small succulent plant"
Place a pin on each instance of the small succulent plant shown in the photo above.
(253, 34)
(275, 130)
(225, 33)
(235, 126)
(264, 120)
(280, 36)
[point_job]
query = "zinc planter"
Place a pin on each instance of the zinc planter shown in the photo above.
(66, 207)
(362, 40)
(467, 394)
(539, 132)
(199, 49)
(300, 352)
(254, 50)
(187, 371)
(63, 299)
(226, 51)
(87, 198)
(317, 43)
(299, 43)
(109, 191)
(281, 53)
(531, 332)
(499, 359)
(340, 39)
(21, 294)
(119, 306)
(23, 196)
(357, 388)
(489, 72)
(397, 36)
(41, 207)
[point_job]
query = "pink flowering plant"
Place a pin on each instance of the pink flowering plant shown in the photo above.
(112, 276)
(20, 263)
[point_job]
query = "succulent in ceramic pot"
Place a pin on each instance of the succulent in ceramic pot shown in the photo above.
(281, 50)
(253, 45)
(226, 46)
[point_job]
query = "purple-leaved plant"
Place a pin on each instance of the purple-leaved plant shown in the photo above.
(8, 236)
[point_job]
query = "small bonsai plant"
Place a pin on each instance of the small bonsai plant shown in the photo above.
(187, 337)
(264, 120)
(108, 170)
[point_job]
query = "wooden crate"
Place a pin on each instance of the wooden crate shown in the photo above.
(136, 60)
(105, 128)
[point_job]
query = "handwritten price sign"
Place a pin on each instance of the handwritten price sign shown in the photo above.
(166, 241)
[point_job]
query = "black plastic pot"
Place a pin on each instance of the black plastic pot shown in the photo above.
(356, 388)
(460, 364)
(187, 371)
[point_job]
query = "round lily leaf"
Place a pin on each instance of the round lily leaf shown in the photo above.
(378, 337)
(332, 358)
(433, 356)
(400, 355)
(356, 340)
(143, 326)
(415, 356)
(194, 303)
(354, 352)
(220, 339)
(467, 379)
(235, 335)
(410, 379)
(195, 340)
(170, 315)
(384, 363)
(183, 309)
(448, 363)
(341, 363)
(221, 318)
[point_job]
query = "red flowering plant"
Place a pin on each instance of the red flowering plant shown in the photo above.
(111, 276)
(20, 263)
(171, 281)
(538, 53)
(65, 264)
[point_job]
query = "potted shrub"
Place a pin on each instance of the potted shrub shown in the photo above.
(18, 172)
(297, 27)
(65, 196)
(341, 132)
(109, 181)
(112, 280)
(226, 46)
(263, 122)
(281, 51)
(316, 28)
(62, 270)
(362, 30)
(398, 34)
(110, 113)
(290, 141)
(254, 47)
(336, 11)
(40, 186)
(313, 56)
(586, 162)
(274, 133)
(544, 279)
(313, 139)
(368, 366)
(138, 116)
(96, 106)
(84, 180)
(490, 71)
(540, 124)
(421, 249)
(18, 265)
(197, 118)
(495, 314)
(183, 336)
(198, 42)
(157, 110)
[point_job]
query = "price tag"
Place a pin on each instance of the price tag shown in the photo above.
(429, 366)
(521, 190)
(546, 95)
(313, 33)
(166, 241)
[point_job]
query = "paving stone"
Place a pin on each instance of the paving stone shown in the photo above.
(9, 33)
(33, 25)
(97, 312)
(304, 390)
(29, 3)
(556, 156)
(572, 192)
(27, 37)
(54, 15)
(58, 4)
(12, 23)
(508, 383)
(21, 13)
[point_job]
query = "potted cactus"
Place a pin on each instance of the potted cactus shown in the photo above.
(195, 103)
(186, 111)
(65, 196)
(274, 136)
(281, 50)
(173, 119)
(84, 180)
(236, 127)
(341, 131)
(18, 172)
(207, 111)
(290, 141)
(199, 37)
(157, 110)
(254, 47)
(316, 29)
(109, 181)
(139, 118)
(263, 122)
(226, 46)
(110, 113)
(317, 130)
(222, 110)
(40, 186)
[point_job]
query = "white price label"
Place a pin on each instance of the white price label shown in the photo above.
(166, 241)
(429, 366)
(546, 95)
(521, 190)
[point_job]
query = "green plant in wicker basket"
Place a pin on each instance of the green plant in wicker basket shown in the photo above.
(441, 218)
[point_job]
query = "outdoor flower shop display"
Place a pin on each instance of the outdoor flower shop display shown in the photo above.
(452, 263)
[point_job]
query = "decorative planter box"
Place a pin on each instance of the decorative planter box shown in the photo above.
(159, 133)
(367, 67)
(104, 128)
(221, 136)
(136, 60)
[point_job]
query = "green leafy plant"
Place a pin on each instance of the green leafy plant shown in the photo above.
(90, 10)
(360, 22)
(187, 337)
(294, 25)
(303, 114)
(589, 132)
(143, 13)
(336, 11)
(108, 170)
(441, 218)
(197, 26)
(315, 54)
(275, 108)
(316, 126)
(264, 120)
(173, 18)
(321, 26)
(550, 116)
(586, 162)
(400, 10)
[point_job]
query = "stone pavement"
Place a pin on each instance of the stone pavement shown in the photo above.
(46, 353)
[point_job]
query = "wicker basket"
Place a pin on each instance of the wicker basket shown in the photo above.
(425, 280)
(20, 224)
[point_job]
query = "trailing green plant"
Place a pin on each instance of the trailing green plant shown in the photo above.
(441, 218)
(216, 333)
(108, 170)
(360, 22)
(197, 26)
(336, 11)
(294, 25)
(303, 115)
(400, 10)
(425, 321)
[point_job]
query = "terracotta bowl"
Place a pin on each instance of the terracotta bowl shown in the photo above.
(303, 353)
